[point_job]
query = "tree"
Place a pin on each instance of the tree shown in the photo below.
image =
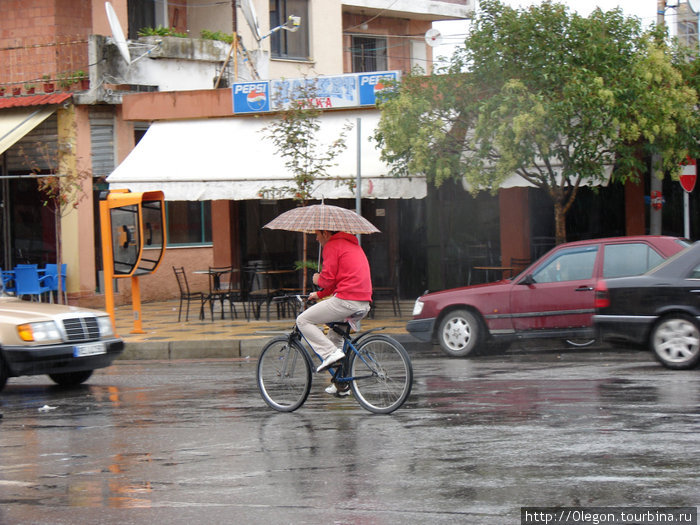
(295, 136)
(547, 95)
(60, 184)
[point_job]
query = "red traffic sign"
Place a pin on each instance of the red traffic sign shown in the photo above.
(689, 174)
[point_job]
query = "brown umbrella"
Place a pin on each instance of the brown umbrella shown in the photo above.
(308, 219)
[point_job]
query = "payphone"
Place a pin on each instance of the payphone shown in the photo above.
(131, 222)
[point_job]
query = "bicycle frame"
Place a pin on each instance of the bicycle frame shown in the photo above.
(343, 329)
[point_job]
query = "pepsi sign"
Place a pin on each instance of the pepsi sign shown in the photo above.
(373, 84)
(335, 91)
(251, 97)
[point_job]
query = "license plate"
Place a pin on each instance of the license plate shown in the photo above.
(89, 349)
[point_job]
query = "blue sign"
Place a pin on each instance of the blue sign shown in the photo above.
(337, 91)
(373, 84)
(251, 97)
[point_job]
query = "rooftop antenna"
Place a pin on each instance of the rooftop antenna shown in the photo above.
(117, 33)
(694, 6)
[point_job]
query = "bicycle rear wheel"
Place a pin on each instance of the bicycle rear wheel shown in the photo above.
(382, 374)
(284, 374)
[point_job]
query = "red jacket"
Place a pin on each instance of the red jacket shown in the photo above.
(345, 272)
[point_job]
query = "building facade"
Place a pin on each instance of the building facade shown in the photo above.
(81, 70)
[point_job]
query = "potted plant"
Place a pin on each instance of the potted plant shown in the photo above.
(48, 84)
(64, 81)
(2, 91)
(29, 89)
(80, 78)
(16, 90)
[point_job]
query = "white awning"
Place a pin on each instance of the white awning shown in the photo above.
(231, 159)
(15, 123)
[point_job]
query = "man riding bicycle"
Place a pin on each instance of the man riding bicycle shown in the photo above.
(345, 280)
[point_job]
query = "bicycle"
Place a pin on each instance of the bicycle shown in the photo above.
(376, 368)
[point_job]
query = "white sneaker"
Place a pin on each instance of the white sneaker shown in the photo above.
(337, 355)
(333, 390)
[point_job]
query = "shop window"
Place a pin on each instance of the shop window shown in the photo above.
(188, 222)
(368, 54)
(289, 44)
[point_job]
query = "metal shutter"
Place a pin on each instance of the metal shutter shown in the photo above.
(102, 138)
(36, 149)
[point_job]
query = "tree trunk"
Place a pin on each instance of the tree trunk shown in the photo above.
(304, 269)
(559, 223)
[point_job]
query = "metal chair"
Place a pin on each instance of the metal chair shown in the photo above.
(28, 281)
(187, 295)
(222, 288)
(518, 264)
(391, 291)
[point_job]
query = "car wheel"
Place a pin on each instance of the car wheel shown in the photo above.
(676, 342)
(71, 378)
(459, 333)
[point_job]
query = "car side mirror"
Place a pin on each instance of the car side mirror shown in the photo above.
(527, 280)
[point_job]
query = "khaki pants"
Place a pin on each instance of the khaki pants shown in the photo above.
(326, 311)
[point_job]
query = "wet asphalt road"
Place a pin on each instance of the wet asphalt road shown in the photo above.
(192, 442)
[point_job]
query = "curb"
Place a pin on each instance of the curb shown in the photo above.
(226, 349)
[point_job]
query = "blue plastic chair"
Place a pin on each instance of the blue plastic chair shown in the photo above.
(8, 281)
(28, 282)
(51, 270)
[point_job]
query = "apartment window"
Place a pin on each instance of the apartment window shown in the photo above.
(288, 44)
(368, 54)
(146, 13)
(188, 222)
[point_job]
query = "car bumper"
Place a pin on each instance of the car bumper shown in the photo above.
(25, 361)
(623, 328)
(421, 329)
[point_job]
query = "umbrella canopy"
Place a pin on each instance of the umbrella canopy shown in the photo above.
(308, 219)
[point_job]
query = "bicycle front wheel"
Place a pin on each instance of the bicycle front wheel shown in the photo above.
(284, 374)
(382, 374)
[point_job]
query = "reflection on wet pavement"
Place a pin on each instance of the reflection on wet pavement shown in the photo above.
(193, 442)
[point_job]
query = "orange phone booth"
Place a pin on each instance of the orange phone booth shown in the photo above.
(131, 222)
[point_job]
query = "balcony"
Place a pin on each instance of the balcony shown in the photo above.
(413, 9)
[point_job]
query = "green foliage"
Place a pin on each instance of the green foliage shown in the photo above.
(161, 31)
(549, 95)
(216, 35)
(295, 137)
(309, 265)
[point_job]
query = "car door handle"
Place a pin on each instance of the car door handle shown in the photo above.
(584, 289)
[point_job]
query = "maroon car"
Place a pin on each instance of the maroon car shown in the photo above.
(552, 298)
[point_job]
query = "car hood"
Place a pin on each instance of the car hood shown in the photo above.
(435, 301)
(15, 310)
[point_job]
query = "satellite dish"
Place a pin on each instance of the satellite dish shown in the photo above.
(694, 6)
(434, 38)
(117, 32)
(251, 18)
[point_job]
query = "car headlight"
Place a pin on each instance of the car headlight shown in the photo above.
(46, 331)
(105, 325)
(418, 307)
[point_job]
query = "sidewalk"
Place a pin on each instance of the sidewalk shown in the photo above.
(165, 338)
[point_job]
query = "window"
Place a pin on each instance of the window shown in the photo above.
(289, 44)
(568, 265)
(368, 54)
(146, 13)
(188, 222)
(629, 259)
